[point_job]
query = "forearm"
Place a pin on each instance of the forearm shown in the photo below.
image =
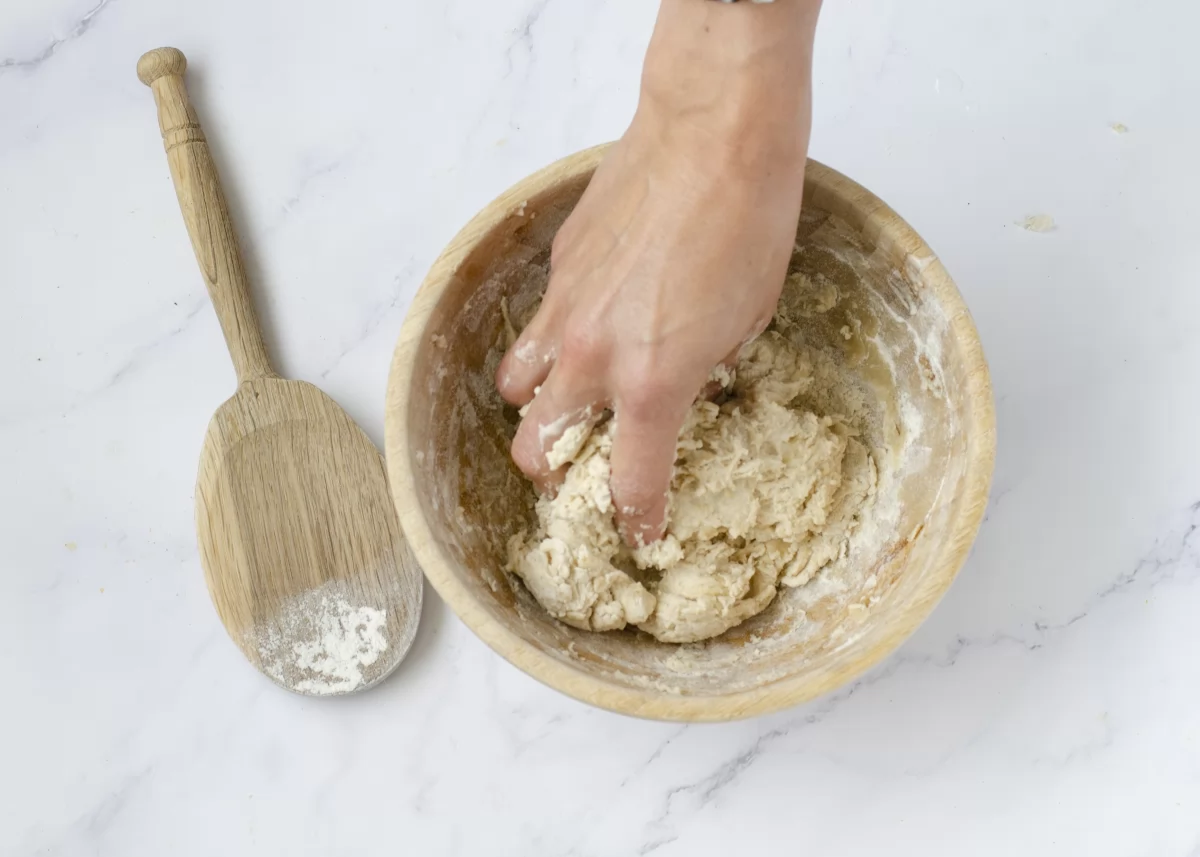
(734, 75)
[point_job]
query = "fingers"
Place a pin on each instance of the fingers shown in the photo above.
(527, 364)
(556, 426)
(643, 460)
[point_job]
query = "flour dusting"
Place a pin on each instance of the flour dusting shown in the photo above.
(321, 644)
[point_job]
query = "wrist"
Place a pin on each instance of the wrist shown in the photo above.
(732, 76)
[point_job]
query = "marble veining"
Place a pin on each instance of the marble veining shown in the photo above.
(1049, 704)
(80, 27)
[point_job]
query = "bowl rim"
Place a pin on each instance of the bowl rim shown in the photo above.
(878, 222)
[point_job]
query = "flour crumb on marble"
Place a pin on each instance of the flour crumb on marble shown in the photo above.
(1038, 223)
(320, 643)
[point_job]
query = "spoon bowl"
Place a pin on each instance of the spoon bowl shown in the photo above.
(302, 551)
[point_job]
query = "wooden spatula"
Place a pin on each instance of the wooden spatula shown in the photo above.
(300, 543)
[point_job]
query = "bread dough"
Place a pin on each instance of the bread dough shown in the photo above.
(765, 493)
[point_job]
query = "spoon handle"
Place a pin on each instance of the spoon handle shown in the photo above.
(205, 212)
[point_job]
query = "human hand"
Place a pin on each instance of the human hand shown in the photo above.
(676, 253)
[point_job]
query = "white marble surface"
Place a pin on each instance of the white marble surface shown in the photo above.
(1051, 705)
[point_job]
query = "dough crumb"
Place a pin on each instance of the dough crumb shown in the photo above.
(1038, 223)
(816, 298)
(567, 447)
(722, 376)
(765, 493)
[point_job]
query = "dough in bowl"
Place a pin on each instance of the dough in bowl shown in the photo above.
(765, 493)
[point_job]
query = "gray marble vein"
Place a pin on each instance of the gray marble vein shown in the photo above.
(32, 62)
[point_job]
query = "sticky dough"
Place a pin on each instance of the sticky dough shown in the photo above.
(765, 493)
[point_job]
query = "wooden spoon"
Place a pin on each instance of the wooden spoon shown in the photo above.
(301, 547)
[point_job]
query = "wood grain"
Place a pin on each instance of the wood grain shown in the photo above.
(291, 496)
(452, 486)
(205, 212)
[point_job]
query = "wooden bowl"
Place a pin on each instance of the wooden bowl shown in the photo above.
(899, 328)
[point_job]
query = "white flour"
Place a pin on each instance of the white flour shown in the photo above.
(321, 644)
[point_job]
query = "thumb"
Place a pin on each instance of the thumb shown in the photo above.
(643, 460)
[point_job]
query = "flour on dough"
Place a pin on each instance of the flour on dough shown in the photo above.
(764, 494)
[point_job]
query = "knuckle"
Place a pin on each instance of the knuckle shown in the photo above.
(515, 379)
(505, 382)
(527, 453)
(511, 389)
(583, 345)
(645, 394)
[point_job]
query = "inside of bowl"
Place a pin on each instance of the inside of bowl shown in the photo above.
(866, 299)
